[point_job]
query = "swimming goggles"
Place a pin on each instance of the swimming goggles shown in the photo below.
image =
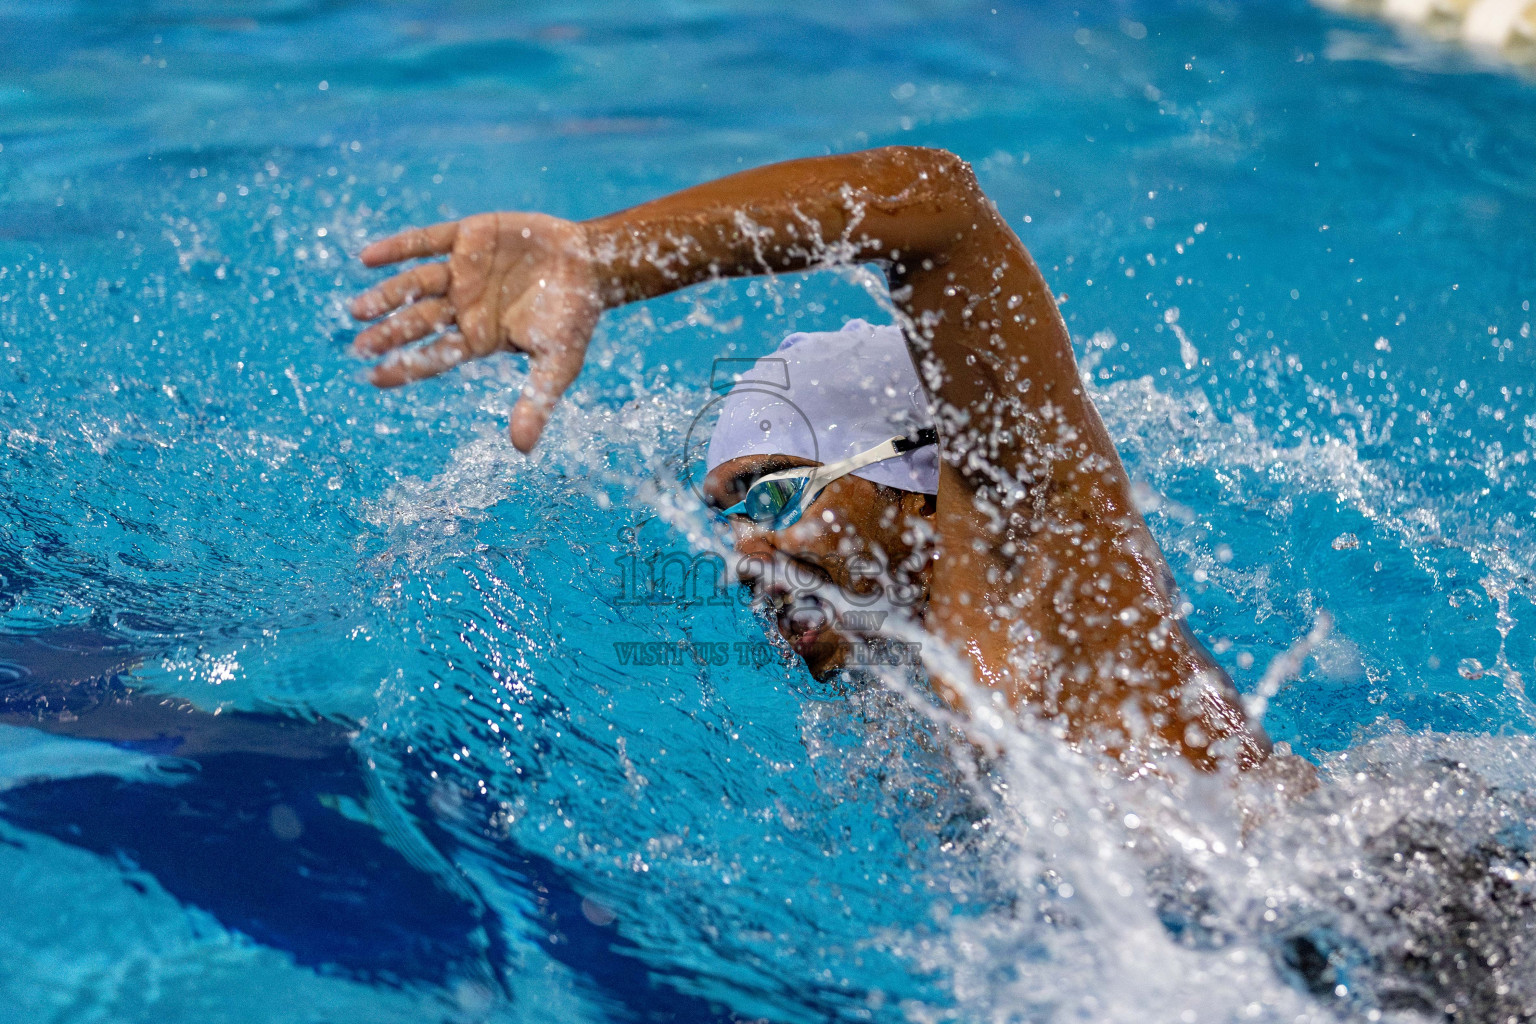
(778, 500)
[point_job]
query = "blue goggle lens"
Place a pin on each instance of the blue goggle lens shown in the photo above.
(768, 500)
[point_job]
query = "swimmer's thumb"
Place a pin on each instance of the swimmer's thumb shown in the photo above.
(528, 422)
(548, 378)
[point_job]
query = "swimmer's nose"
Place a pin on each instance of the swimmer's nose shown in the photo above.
(754, 552)
(748, 536)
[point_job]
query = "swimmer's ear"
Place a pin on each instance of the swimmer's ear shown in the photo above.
(915, 505)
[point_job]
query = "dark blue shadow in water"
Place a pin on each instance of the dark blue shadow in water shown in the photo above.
(263, 821)
(266, 823)
(255, 840)
(599, 953)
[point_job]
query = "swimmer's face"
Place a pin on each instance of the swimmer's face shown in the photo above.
(868, 541)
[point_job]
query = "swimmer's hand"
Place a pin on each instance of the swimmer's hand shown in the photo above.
(513, 282)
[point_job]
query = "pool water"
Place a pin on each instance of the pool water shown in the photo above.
(345, 714)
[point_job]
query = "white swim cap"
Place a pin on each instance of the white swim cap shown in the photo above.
(827, 395)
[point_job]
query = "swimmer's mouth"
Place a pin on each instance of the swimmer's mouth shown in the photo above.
(803, 620)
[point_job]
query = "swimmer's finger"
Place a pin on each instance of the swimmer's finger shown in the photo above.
(548, 377)
(415, 321)
(409, 245)
(420, 363)
(425, 281)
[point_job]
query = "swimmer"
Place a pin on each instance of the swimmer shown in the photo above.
(1014, 534)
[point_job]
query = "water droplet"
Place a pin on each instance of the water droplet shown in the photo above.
(285, 823)
(1188, 354)
(597, 913)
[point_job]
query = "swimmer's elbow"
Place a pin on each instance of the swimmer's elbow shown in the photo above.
(930, 158)
(940, 193)
(940, 166)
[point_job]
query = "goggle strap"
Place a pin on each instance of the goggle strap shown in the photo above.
(898, 445)
(819, 477)
(923, 438)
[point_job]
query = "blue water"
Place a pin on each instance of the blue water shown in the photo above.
(1294, 251)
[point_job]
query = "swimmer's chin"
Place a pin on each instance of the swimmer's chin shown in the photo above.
(824, 652)
(826, 670)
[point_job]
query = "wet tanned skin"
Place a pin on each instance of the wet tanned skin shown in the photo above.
(856, 536)
(1047, 578)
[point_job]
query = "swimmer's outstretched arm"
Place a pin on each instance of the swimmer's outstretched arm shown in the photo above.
(1048, 578)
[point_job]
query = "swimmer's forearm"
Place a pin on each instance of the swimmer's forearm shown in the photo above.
(899, 204)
